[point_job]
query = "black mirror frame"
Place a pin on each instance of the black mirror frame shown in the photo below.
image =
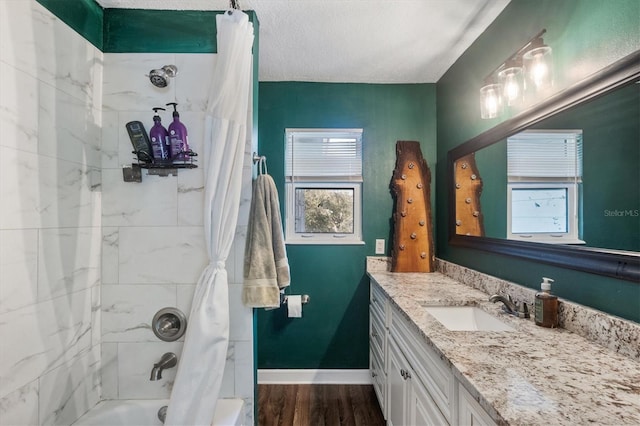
(623, 265)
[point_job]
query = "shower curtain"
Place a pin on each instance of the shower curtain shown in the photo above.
(201, 365)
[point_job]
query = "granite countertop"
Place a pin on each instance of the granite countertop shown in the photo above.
(533, 375)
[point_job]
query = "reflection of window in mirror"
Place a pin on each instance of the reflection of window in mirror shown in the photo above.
(544, 170)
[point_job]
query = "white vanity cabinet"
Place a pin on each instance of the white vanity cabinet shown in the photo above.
(378, 344)
(414, 386)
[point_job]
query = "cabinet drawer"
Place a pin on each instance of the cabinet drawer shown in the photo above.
(434, 374)
(377, 334)
(377, 302)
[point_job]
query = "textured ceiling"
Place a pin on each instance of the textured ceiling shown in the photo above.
(355, 41)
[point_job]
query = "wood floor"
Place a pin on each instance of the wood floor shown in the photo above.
(318, 405)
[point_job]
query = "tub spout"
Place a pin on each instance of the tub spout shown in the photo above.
(168, 360)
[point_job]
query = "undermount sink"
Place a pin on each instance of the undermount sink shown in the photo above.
(467, 318)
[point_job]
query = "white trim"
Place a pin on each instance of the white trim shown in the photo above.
(319, 242)
(320, 129)
(310, 376)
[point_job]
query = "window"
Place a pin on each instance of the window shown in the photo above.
(544, 177)
(323, 172)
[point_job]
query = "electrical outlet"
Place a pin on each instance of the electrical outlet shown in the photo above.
(380, 246)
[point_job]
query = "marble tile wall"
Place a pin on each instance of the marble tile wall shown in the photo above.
(153, 237)
(50, 218)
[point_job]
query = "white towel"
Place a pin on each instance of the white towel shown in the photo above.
(266, 267)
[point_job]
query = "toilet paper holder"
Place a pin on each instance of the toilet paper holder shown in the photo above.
(304, 299)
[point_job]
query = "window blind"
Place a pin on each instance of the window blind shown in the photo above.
(324, 154)
(545, 154)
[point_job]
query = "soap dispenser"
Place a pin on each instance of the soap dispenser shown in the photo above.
(178, 142)
(159, 138)
(546, 305)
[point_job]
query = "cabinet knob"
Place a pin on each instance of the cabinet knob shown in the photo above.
(405, 374)
(373, 374)
(374, 334)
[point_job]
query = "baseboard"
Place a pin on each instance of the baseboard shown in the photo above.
(305, 376)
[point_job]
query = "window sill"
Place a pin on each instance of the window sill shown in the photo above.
(550, 240)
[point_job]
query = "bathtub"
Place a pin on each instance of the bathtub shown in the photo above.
(145, 413)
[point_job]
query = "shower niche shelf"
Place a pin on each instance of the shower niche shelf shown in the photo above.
(133, 173)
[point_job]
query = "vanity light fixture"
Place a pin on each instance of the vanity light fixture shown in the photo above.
(528, 70)
(491, 100)
(512, 80)
(537, 62)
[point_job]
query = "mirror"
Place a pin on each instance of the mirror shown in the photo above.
(558, 183)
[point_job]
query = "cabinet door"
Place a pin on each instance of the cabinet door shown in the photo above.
(422, 408)
(397, 387)
(379, 381)
(435, 376)
(470, 412)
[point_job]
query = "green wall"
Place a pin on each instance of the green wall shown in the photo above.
(585, 35)
(84, 16)
(141, 31)
(492, 165)
(333, 332)
(160, 31)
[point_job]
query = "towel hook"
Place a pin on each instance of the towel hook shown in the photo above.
(257, 157)
(262, 163)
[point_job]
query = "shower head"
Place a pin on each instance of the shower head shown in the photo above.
(160, 77)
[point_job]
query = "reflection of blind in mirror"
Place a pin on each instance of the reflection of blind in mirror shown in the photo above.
(545, 154)
(539, 210)
(324, 210)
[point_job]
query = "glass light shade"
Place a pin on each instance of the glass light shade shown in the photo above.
(512, 80)
(491, 101)
(538, 64)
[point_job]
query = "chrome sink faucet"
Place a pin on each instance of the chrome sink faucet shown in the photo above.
(168, 360)
(511, 307)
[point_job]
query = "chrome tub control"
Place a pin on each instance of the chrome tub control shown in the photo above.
(169, 324)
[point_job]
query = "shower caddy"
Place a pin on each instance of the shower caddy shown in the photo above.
(133, 173)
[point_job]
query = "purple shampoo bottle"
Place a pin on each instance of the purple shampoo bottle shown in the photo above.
(178, 138)
(159, 138)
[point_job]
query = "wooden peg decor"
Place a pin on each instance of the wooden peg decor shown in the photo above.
(412, 249)
(469, 220)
